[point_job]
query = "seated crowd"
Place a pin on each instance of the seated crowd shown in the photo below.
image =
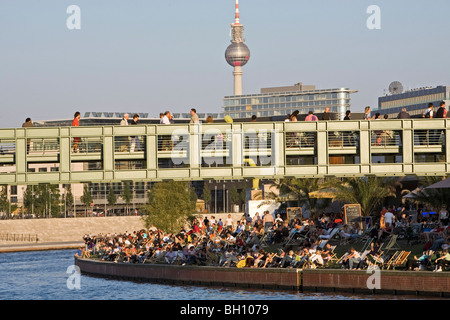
(245, 243)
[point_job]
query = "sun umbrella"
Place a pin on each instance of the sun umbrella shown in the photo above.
(444, 184)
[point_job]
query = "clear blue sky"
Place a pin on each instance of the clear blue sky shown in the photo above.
(149, 56)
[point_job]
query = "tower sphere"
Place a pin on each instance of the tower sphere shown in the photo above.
(237, 54)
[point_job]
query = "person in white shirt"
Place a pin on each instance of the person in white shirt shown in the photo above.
(165, 118)
(388, 219)
(124, 121)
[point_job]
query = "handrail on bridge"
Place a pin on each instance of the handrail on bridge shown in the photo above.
(222, 151)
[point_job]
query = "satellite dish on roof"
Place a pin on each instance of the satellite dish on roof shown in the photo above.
(395, 87)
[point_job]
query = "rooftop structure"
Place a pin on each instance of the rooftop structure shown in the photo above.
(280, 101)
(414, 100)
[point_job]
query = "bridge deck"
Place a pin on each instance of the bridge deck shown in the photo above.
(225, 151)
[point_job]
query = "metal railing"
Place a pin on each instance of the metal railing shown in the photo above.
(223, 151)
(19, 237)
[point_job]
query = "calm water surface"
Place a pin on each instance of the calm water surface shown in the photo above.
(42, 275)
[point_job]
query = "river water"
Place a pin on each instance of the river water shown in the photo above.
(48, 275)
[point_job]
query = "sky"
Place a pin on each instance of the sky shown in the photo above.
(150, 56)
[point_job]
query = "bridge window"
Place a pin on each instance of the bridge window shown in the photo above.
(387, 158)
(129, 143)
(429, 157)
(216, 147)
(339, 139)
(429, 137)
(87, 165)
(258, 148)
(173, 151)
(386, 138)
(301, 140)
(43, 146)
(129, 165)
(301, 160)
(344, 159)
(88, 145)
(7, 147)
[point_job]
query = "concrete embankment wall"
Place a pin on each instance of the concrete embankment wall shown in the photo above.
(69, 229)
(317, 280)
(73, 229)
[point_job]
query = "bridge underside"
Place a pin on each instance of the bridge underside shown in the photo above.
(224, 151)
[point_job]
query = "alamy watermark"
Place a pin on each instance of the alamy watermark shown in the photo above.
(374, 280)
(74, 279)
(73, 22)
(374, 20)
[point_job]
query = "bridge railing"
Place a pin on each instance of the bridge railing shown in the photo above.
(225, 151)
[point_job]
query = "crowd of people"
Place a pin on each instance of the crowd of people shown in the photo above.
(263, 242)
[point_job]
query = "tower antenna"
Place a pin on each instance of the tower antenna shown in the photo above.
(237, 54)
(236, 20)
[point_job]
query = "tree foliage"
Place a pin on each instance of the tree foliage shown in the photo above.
(299, 190)
(369, 192)
(171, 204)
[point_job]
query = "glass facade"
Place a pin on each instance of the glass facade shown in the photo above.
(284, 103)
(415, 101)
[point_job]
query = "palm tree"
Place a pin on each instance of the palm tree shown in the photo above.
(299, 190)
(369, 192)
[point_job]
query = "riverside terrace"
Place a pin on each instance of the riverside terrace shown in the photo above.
(324, 242)
(226, 151)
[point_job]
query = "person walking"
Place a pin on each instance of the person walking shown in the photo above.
(403, 114)
(194, 117)
(135, 142)
(28, 124)
(124, 140)
(76, 123)
(441, 112)
(311, 117)
(347, 115)
(326, 115)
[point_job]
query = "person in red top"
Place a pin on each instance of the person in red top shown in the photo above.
(76, 123)
(311, 117)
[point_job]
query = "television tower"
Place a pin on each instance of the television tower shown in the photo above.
(237, 53)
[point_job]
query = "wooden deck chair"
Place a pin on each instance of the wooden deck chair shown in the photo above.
(392, 244)
(333, 259)
(296, 236)
(364, 256)
(265, 238)
(400, 260)
(375, 260)
(391, 260)
(339, 261)
(331, 234)
(367, 244)
(366, 234)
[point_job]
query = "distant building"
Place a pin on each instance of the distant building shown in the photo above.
(280, 101)
(415, 101)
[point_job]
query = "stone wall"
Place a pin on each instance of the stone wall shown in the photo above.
(70, 229)
(73, 229)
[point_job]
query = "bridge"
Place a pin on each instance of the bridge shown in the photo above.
(224, 151)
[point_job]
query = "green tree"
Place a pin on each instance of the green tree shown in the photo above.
(86, 198)
(112, 198)
(207, 196)
(127, 196)
(293, 189)
(171, 204)
(369, 192)
(46, 202)
(29, 199)
(4, 203)
(69, 198)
